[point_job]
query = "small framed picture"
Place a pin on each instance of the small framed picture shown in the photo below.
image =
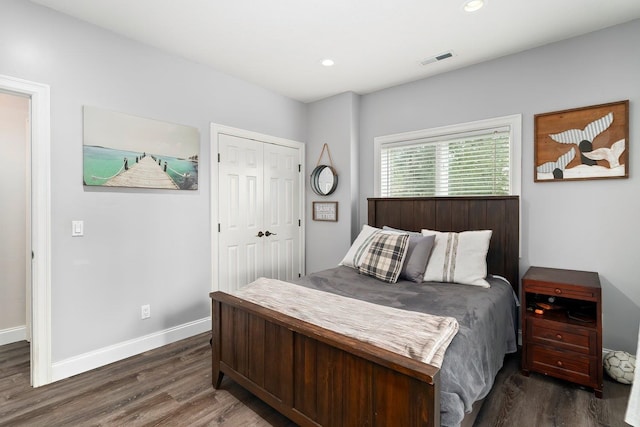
(325, 211)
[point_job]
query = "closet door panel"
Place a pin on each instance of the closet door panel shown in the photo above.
(282, 211)
(240, 192)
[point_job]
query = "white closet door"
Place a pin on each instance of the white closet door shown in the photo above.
(282, 212)
(259, 194)
(240, 211)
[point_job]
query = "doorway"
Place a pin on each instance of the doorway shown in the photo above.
(257, 208)
(37, 235)
(15, 226)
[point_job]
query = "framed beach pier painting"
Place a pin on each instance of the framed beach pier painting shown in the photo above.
(121, 150)
(582, 143)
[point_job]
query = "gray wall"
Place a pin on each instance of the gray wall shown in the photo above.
(140, 246)
(14, 116)
(153, 247)
(333, 121)
(589, 225)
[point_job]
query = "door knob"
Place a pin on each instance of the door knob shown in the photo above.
(268, 233)
(260, 234)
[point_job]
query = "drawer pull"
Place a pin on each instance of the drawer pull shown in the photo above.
(558, 336)
(558, 291)
(559, 363)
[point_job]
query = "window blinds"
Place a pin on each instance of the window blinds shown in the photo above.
(472, 163)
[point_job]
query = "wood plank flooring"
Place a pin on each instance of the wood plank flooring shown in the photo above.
(172, 386)
(167, 386)
(541, 401)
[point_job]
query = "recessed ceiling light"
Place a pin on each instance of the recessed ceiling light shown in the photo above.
(473, 5)
(327, 62)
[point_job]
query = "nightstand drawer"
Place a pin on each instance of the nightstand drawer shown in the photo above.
(562, 291)
(559, 336)
(569, 366)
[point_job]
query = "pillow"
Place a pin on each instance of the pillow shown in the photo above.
(397, 230)
(385, 255)
(418, 253)
(353, 258)
(459, 257)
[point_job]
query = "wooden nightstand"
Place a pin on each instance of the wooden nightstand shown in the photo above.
(565, 341)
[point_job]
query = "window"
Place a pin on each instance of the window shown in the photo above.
(471, 159)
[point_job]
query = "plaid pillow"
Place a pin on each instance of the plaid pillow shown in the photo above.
(385, 256)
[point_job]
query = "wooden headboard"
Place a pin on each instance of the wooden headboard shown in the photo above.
(497, 213)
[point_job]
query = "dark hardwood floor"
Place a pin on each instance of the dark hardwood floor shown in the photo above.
(541, 401)
(172, 386)
(167, 386)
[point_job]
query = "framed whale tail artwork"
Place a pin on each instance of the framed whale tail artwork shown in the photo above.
(582, 143)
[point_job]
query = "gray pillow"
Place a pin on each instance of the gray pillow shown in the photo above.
(397, 230)
(415, 262)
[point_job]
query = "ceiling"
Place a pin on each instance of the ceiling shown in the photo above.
(279, 44)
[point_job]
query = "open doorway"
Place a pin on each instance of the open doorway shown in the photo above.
(15, 222)
(27, 195)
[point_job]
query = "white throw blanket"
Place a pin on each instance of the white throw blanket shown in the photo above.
(420, 336)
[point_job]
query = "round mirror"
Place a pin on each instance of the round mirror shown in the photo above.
(324, 180)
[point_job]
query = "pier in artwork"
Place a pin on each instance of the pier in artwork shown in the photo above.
(145, 173)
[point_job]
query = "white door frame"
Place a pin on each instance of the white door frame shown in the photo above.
(216, 130)
(40, 224)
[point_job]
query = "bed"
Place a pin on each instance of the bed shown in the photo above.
(315, 376)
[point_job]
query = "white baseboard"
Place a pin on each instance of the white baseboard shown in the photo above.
(94, 359)
(10, 335)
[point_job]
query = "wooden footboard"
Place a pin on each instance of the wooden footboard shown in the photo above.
(317, 377)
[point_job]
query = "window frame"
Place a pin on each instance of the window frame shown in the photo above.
(514, 122)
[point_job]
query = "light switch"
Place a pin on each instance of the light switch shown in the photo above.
(77, 228)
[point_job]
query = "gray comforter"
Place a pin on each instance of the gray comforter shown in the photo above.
(487, 319)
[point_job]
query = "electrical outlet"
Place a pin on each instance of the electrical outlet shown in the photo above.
(145, 311)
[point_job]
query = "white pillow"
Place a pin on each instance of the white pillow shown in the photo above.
(359, 248)
(458, 257)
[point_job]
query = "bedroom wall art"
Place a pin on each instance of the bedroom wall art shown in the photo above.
(325, 211)
(121, 150)
(582, 143)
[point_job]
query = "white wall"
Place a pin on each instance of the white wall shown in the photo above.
(140, 246)
(14, 116)
(333, 121)
(589, 225)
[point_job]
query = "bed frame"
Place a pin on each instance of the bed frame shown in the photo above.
(317, 377)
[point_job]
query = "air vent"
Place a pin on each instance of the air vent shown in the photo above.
(437, 58)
